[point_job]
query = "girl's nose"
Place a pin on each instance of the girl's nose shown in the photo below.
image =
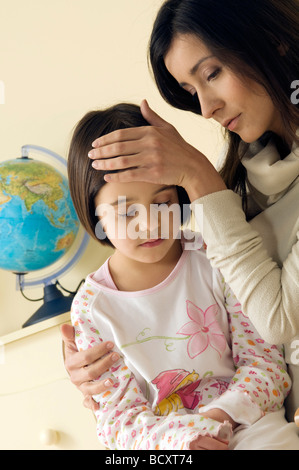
(149, 222)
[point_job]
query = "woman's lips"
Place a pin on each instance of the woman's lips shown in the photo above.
(233, 123)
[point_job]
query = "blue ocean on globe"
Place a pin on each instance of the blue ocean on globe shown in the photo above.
(38, 222)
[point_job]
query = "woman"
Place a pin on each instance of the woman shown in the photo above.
(238, 67)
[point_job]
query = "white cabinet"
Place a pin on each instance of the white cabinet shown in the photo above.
(39, 407)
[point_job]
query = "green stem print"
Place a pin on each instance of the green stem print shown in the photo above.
(142, 338)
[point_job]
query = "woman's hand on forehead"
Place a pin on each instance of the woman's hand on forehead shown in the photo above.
(155, 154)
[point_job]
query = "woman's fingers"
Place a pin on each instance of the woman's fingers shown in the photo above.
(108, 154)
(94, 388)
(89, 403)
(87, 365)
(120, 135)
(152, 117)
(132, 133)
(92, 371)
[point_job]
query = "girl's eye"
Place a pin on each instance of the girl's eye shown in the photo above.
(127, 214)
(129, 211)
(214, 74)
(166, 203)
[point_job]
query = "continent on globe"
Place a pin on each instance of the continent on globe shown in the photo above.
(38, 222)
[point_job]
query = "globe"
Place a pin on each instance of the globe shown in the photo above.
(38, 222)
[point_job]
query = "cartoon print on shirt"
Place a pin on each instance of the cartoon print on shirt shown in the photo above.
(176, 389)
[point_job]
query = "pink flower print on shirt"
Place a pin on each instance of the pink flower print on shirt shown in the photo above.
(203, 329)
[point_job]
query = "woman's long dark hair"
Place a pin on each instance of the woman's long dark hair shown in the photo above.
(257, 39)
(84, 181)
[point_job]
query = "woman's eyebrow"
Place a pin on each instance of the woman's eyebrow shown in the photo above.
(194, 69)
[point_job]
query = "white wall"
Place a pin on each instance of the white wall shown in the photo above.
(58, 60)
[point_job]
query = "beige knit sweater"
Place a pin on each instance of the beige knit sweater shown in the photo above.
(260, 259)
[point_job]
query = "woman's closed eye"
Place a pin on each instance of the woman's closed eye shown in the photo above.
(214, 74)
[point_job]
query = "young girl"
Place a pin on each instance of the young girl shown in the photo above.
(193, 372)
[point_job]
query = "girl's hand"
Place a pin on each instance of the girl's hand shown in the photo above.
(155, 154)
(219, 415)
(85, 367)
(213, 443)
(208, 443)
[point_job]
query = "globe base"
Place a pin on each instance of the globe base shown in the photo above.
(55, 303)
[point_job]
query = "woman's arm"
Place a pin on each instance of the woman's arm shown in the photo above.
(84, 367)
(261, 382)
(268, 295)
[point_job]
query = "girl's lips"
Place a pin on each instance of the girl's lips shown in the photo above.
(152, 243)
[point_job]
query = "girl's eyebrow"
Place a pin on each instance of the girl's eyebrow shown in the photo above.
(164, 188)
(124, 199)
(121, 200)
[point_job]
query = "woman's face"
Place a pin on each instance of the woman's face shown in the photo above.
(243, 106)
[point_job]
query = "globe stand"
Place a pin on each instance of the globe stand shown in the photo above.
(55, 303)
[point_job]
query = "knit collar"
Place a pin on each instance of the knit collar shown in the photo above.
(269, 177)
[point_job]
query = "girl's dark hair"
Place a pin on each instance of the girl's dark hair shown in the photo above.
(84, 181)
(257, 39)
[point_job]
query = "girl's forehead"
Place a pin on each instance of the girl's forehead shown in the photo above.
(131, 191)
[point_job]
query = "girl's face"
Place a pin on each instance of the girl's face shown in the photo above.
(242, 106)
(142, 220)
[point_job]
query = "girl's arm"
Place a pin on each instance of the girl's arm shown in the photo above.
(261, 382)
(269, 295)
(125, 419)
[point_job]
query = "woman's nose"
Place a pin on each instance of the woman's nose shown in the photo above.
(209, 105)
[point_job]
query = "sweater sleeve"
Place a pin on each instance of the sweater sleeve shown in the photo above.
(269, 295)
(261, 382)
(126, 420)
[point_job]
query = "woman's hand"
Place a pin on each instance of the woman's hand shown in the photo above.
(85, 367)
(155, 154)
